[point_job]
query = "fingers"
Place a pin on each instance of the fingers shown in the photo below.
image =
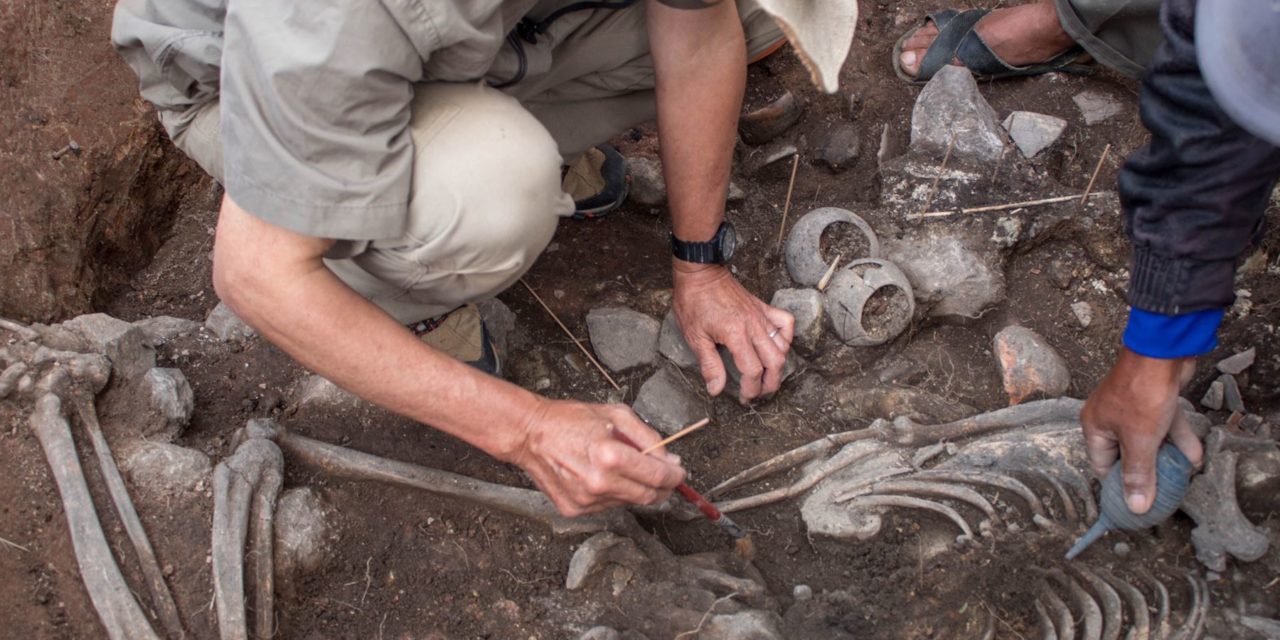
(1138, 470)
(750, 367)
(1186, 440)
(709, 362)
(784, 323)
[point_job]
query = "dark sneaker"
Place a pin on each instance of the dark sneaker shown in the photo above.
(598, 182)
(462, 335)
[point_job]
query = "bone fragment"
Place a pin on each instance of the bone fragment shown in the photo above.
(790, 459)
(989, 625)
(998, 480)
(248, 480)
(1268, 628)
(166, 610)
(1140, 615)
(1088, 607)
(119, 612)
(908, 502)
(840, 460)
(957, 492)
(1161, 626)
(1068, 506)
(24, 332)
(924, 454)
(358, 465)
(1047, 629)
(1193, 626)
(907, 432)
(1064, 622)
(9, 378)
(1112, 610)
(1211, 501)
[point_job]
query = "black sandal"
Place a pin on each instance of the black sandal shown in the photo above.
(957, 39)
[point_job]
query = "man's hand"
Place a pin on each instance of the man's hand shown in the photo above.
(1130, 414)
(572, 455)
(714, 308)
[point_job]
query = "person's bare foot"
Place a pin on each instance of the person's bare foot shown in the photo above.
(1021, 35)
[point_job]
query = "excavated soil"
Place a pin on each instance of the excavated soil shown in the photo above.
(411, 565)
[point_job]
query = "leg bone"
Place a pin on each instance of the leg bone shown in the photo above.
(907, 432)
(239, 484)
(837, 462)
(790, 459)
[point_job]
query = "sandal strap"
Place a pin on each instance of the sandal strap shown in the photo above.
(953, 27)
(959, 39)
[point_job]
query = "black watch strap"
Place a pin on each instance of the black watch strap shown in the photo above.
(696, 252)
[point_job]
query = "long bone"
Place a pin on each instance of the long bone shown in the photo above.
(1089, 610)
(1161, 626)
(800, 455)
(956, 492)
(1047, 629)
(358, 465)
(119, 612)
(1064, 622)
(247, 481)
(1112, 610)
(1140, 628)
(837, 462)
(909, 502)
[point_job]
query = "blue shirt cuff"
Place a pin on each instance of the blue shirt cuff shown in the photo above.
(1156, 335)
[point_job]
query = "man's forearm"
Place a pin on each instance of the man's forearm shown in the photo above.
(700, 63)
(301, 307)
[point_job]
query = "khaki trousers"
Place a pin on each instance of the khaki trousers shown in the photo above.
(486, 194)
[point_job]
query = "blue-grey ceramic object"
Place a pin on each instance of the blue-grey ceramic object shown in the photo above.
(1173, 476)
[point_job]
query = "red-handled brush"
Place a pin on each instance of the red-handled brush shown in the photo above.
(742, 544)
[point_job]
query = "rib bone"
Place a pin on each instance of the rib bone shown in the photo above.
(1141, 616)
(908, 502)
(1112, 612)
(249, 479)
(936, 489)
(119, 612)
(1047, 629)
(1064, 623)
(1089, 609)
(1162, 603)
(988, 478)
(1068, 505)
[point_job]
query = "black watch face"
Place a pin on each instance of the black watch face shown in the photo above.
(728, 242)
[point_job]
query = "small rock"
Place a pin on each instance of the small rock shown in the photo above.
(600, 633)
(736, 194)
(1231, 393)
(122, 343)
(318, 392)
(1122, 549)
(1033, 132)
(1007, 231)
(672, 345)
(648, 187)
(623, 338)
(1213, 396)
(171, 400)
(841, 149)
(1237, 364)
(161, 469)
(597, 551)
(1029, 366)
(948, 275)
(951, 108)
(1083, 312)
(805, 305)
(757, 160)
(162, 329)
(667, 403)
(754, 624)
(500, 320)
(802, 592)
(305, 532)
(1060, 274)
(1097, 107)
(770, 121)
(227, 326)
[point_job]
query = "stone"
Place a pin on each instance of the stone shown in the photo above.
(1028, 365)
(1097, 107)
(600, 633)
(754, 624)
(1083, 312)
(770, 121)
(305, 533)
(1231, 393)
(841, 148)
(1122, 549)
(1007, 232)
(161, 469)
(1238, 363)
(648, 187)
(948, 276)
(162, 329)
(951, 108)
(736, 193)
(734, 376)
(758, 159)
(1214, 396)
(802, 592)
(122, 343)
(227, 326)
(171, 401)
(500, 320)
(318, 392)
(805, 305)
(1033, 132)
(599, 550)
(672, 345)
(623, 338)
(667, 403)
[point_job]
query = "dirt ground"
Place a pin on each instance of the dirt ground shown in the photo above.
(415, 566)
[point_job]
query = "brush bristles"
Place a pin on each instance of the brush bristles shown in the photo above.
(745, 548)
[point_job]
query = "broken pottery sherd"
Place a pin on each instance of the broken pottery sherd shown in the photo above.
(1029, 365)
(770, 121)
(804, 258)
(869, 302)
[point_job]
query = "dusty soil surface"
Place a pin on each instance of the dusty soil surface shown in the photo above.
(415, 566)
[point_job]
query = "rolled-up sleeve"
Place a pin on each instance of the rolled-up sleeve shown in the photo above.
(315, 113)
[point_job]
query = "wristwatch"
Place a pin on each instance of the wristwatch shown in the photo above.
(718, 250)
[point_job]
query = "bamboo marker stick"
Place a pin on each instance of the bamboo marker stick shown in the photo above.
(677, 435)
(782, 229)
(571, 336)
(831, 270)
(1096, 170)
(1001, 207)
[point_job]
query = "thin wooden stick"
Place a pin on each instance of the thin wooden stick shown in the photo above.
(831, 270)
(782, 229)
(1096, 170)
(933, 189)
(679, 434)
(1001, 207)
(571, 336)
(18, 546)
